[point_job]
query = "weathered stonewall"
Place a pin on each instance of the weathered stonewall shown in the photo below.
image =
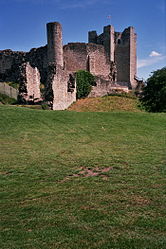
(29, 90)
(109, 56)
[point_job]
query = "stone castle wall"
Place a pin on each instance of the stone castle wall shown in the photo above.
(61, 87)
(29, 89)
(121, 49)
(122, 58)
(83, 56)
(63, 97)
(133, 58)
(105, 87)
(37, 57)
(8, 90)
(11, 60)
(33, 81)
(125, 56)
(110, 56)
(75, 57)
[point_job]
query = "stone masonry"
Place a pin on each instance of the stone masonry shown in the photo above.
(29, 90)
(121, 49)
(110, 57)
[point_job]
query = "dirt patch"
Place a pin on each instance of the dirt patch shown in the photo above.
(5, 173)
(88, 172)
(141, 201)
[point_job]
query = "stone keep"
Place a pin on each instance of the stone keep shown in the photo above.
(121, 49)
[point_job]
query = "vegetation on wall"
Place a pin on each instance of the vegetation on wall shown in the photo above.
(85, 81)
(154, 94)
(13, 84)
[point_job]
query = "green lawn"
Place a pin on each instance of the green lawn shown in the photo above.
(82, 180)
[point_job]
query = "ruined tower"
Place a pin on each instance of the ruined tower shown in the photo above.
(54, 43)
(108, 41)
(106, 38)
(125, 56)
(60, 83)
(120, 48)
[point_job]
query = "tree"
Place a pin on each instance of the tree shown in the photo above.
(154, 93)
(85, 81)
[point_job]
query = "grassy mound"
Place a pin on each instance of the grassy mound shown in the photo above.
(82, 180)
(106, 104)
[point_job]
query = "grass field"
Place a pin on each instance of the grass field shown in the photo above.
(82, 180)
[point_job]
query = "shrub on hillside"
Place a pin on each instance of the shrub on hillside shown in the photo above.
(85, 81)
(45, 106)
(4, 99)
(13, 84)
(154, 93)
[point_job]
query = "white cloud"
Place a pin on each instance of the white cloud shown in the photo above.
(62, 4)
(154, 54)
(151, 60)
(73, 4)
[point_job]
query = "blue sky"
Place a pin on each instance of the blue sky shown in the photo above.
(22, 24)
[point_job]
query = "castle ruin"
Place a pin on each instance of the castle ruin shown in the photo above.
(110, 57)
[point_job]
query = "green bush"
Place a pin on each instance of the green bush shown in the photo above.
(4, 99)
(45, 107)
(154, 94)
(85, 81)
(13, 84)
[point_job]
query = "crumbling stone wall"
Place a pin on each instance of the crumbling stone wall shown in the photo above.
(63, 97)
(61, 91)
(106, 39)
(121, 49)
(111, 56)
(8, 58)
(122, 62)
(105, 87)
(11, 60)
(29, 90)
(102, 88)
(125, 56)
(133, 58)
(75, 57)
(9, 64)
(90, 57)
(8, 90)
(37, 57)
